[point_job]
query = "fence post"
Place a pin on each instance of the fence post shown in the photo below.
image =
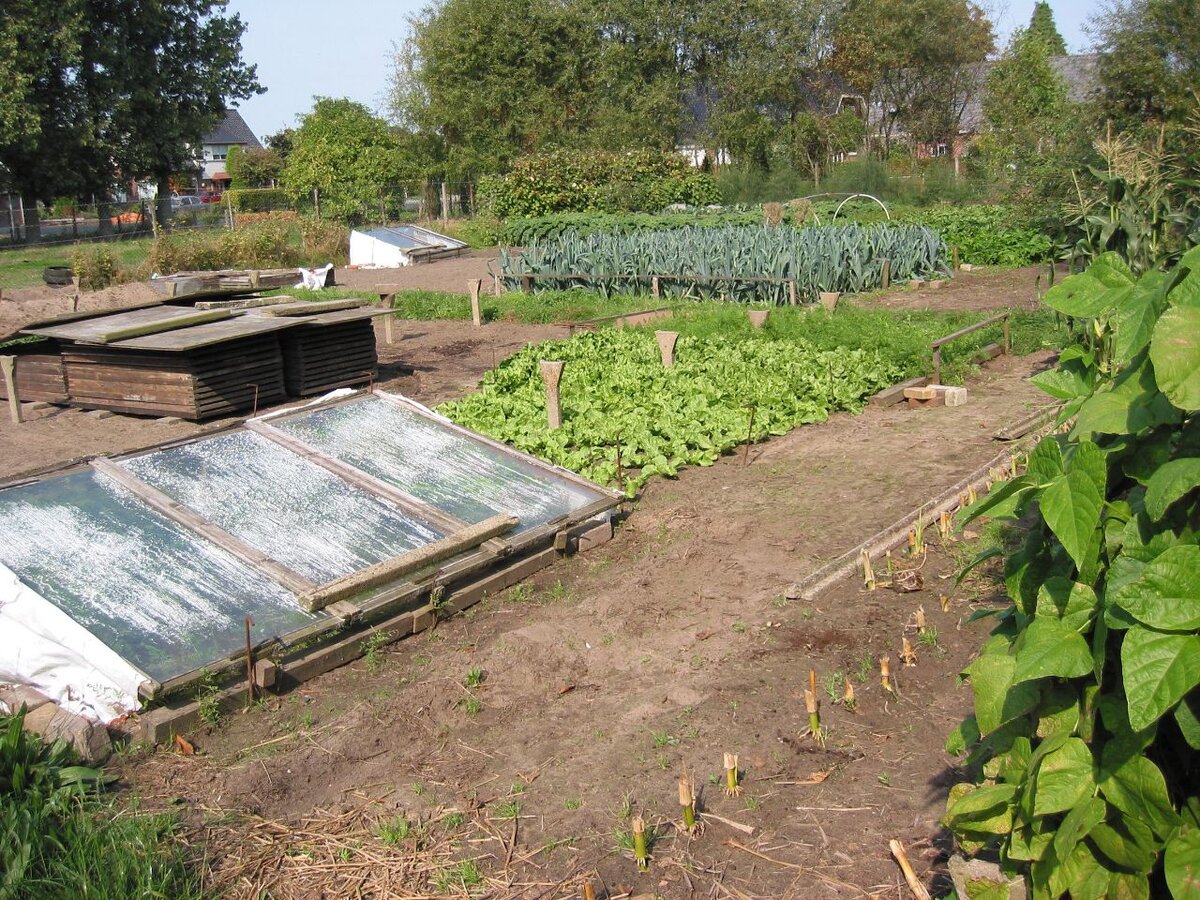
(474, 286)
(552, 374)
(885, 278)
(8, 365)
(317, 202)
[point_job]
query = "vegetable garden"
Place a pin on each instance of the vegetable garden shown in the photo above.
(746, 264)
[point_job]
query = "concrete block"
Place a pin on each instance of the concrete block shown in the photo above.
(90, 739)
(14, 696)
(266, 673)
(423, 619)
(596, 537)
(919, 403)
(936, 284)
(955, 396)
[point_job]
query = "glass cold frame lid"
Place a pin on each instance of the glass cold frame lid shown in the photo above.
(462, 476)
(163, 598)
(307, 518)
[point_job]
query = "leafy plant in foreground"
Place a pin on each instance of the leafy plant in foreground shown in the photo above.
(1086, 727)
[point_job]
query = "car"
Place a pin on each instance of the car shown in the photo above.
(186, 201)
(210, 197)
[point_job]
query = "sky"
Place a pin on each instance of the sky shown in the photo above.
(307, 48)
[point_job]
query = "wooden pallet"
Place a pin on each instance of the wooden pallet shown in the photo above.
(320, 357)
(39, 374)
(204, 383)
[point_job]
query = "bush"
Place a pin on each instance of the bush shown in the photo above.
(323, 242)
(263, 245)
(1085, 740)
(94, 266)
(599, 181)
(984, 235)
(257, 199)
(254, 218)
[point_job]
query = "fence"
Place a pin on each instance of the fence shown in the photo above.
(70, 222)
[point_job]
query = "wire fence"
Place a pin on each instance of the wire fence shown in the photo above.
(71, 222)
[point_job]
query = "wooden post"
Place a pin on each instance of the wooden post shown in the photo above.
(475, 285)
(445, 189)
(249, 665)
(937, 365)
(792, 298)
(387, 329)
(497, 287)
(527, 283)
(885, 278)
(8, 365)
(654, 288)
(1007, 339)
(317, 202)
(666, 345)
(954, 256)
(552, 374)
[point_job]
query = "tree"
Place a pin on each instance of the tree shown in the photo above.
(1029, 120)
(253, 167)
(40, 106)
(1042, 28)
(914, 61)
(1149, 63)
(180, 67)
(347, 154)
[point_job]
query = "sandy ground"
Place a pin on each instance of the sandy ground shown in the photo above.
(610, 673)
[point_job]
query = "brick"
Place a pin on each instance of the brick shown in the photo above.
(596, 537)
(955, 396)
(924, 392)
(266, 673)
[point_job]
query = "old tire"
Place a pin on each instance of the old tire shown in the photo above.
(57, 275)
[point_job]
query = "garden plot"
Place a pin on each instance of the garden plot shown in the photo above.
(133, 578)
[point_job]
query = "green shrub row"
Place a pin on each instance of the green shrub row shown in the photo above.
(262, 245)
(597, 181)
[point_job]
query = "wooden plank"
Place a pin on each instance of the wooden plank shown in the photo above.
(220, 332)
(341, 316)
(895, 394)
(128, 324)
(304, 308)
(193, 521)
(410, 504)
(245, 302)
(406, 563)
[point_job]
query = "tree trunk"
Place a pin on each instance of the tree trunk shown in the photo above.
(104, 214)
(162, 203)
(33, 222)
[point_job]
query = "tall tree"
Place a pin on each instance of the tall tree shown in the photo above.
(181, 68)
(40, 106)
(1042, 28)
(914, 61)
(1149, 63)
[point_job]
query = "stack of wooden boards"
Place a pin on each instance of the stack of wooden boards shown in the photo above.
(203, 361)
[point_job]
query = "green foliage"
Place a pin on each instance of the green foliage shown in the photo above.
(618, 399)
(1042, 29)
(265, 244)
(253, 167)
(838, 258)
(577, 181)
(349, 156)
(984, 235)
(1085, 740)
(256, 199)
(59, 838)
(94, 266)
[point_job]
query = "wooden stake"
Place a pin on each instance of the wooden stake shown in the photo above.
(914, 883)
(792, 298)
(249, 665)
(749, 436)
(666, 346)
(552, 374)
(954, 256)
(475, 285)
(9, 366)
(387, 329)
(885, 276)
(655, 290)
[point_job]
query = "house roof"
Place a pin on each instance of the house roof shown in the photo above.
(232, 130)
(1078, 70)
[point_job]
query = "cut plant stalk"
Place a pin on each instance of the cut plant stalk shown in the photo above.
(589, 892)
(848, 700)
(908, 654)
(640, 853)
(945, 525)
(921, 624)
(687, 799)
(732, 788)
(813, 706)
(868, 571)
(945, 601)
(885, 674)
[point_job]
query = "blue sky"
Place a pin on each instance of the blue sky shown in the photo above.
(305, 48)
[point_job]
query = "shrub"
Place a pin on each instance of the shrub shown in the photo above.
(600, 181)
(257, 199)
(262, 245)
(94, 266)
(1085, 737)
(984, 235)
(254, 218)
(322, 242)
